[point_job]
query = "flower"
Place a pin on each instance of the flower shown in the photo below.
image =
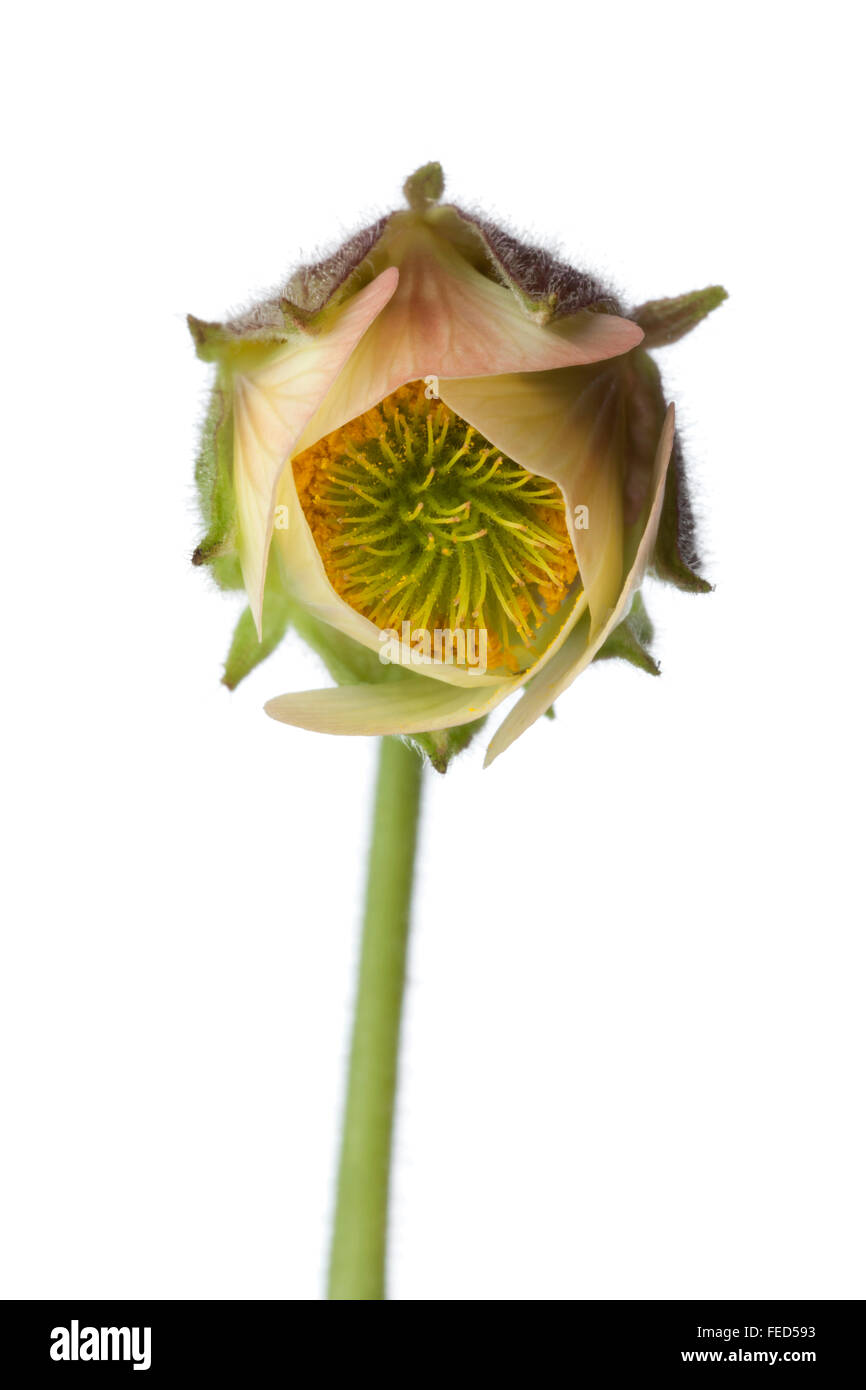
(434, 441)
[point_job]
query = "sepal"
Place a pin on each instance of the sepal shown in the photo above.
(267, 326)
(246, 651)
(213, 476)
(442, 745)
(546, 287)
(295, 310)
(630, 640)
(675, 559)
(667, 320)
(316, 286)
(425, 187)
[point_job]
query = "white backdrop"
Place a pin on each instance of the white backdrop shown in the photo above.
(633, 1062)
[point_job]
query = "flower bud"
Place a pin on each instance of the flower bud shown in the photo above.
(445, 458)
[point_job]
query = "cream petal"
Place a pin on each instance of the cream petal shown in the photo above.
(272, 405)
(580, 648)
(566, 426)
(449, 320)
(411, 706)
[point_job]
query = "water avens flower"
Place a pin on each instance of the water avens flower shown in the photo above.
(419, 519)
(446, 460)
(433, 434)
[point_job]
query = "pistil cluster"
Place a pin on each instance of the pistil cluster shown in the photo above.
(418, 518)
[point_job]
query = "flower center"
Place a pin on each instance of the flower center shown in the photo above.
(418, 518)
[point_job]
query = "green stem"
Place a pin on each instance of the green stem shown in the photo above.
(361, 1218)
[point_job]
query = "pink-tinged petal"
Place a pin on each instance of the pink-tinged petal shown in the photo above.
(412, 706)
(581, 647)
(448, 320)
(566, 426)
(272, 405)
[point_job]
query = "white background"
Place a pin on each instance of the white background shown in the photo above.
(633, 1062)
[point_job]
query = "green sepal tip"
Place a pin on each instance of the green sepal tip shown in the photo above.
(665, 321)
(630, 640)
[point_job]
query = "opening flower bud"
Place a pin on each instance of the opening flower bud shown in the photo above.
(443, 432)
